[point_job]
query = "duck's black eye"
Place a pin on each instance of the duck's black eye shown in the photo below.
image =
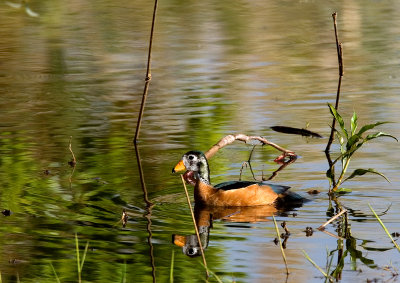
(191, 157)
(192, 251)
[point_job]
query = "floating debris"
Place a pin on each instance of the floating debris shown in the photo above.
(313, 192)
(284, 226)
(309, 231)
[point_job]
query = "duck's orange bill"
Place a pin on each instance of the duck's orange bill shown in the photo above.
(179, 167)
(179, 240)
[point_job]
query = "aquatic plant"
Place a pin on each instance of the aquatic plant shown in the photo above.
(350, 141)
(78, 261)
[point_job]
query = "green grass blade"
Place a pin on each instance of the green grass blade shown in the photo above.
(171, 272)
(84, 254)
(54, 271)
(384, 227)
(212, 273)
(123, 277)
(280, 245)
(77, 252)
(328, 264)
(319, 268)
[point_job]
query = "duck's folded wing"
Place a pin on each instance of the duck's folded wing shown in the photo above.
(233, 185)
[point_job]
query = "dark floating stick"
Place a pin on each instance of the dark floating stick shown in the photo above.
(296, 131)
(148, 75)
(339, 49)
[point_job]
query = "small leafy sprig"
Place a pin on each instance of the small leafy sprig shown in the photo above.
(350, 141)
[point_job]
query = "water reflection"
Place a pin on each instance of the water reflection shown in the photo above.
(206, 215)
(148, 214)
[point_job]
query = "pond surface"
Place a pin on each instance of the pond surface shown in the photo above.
(76, 69)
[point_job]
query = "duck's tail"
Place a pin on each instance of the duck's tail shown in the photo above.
(290, 200)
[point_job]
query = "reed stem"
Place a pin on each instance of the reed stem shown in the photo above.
(148, 75)
(339, 49)
(280, 245)
(195, 226)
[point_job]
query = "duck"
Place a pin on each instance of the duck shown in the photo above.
(231, 193)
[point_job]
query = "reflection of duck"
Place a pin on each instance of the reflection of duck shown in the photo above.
(204, 217)
(234, 193)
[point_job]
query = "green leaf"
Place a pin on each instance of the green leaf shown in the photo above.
(353, 123)
(360, 172)
(338, 118)
(379, 134)
(369, 127)
(342, 145)
(352, 141)
(343, 191)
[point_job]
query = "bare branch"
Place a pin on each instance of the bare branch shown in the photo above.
(251, 140)
(339, 48)
(148, 75)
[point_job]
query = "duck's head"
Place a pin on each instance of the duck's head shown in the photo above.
(194, 161)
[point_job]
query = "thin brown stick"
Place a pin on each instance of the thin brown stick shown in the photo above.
(339, 49)
(148, 74)
(244, 138)
(73, 161)
(195, 226)
(322, 227)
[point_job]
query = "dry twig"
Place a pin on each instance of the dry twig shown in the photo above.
(148, 75)
(248, 139)
(339, 49)
(322, 227)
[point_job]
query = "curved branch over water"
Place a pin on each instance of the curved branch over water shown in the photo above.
(251, 140)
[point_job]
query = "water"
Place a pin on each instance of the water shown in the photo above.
(77, 70)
